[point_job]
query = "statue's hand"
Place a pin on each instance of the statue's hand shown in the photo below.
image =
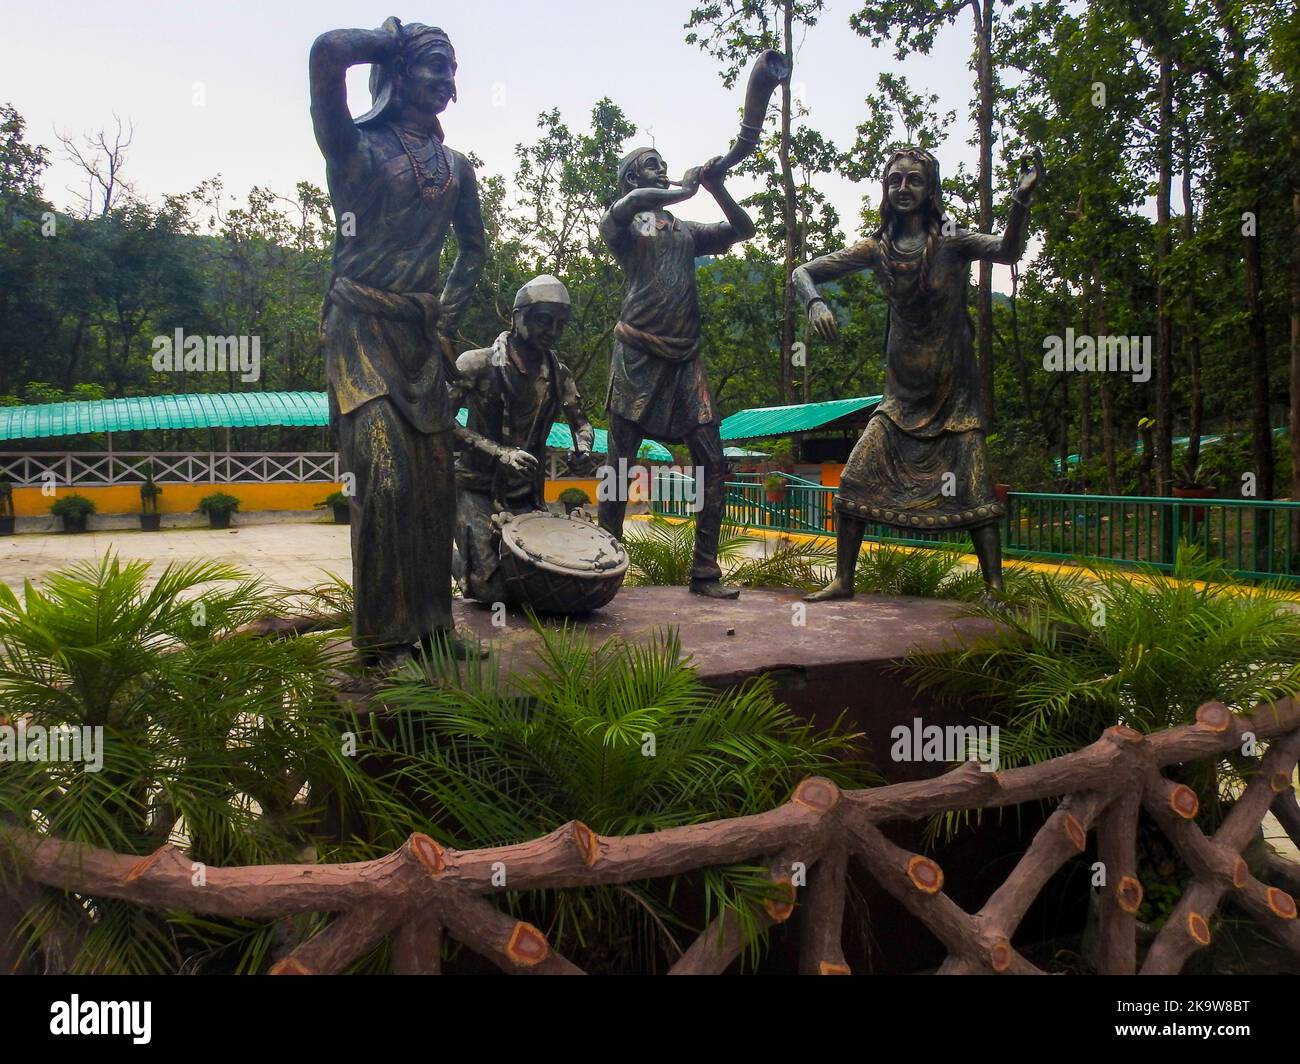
(519, 460)
(821, 320)
(1030, 175)
(710, 180)
(691, 181)
(580, 461)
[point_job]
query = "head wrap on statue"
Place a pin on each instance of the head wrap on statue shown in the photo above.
(628, 166)
(414, 40)
(542, 289)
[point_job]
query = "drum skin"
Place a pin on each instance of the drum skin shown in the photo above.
(557, 564)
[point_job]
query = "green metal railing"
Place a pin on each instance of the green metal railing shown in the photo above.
(1255, 539)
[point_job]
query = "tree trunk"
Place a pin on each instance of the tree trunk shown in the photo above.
(1098, 307)
(1295, 366)
(1191, 329)
(984, 297)
(791, 214)
(1164, 431)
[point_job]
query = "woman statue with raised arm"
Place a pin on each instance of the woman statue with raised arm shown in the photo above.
(920, 465)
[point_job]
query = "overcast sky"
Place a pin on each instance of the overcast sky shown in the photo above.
(71, 64)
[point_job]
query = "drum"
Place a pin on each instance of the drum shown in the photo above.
(560, 564)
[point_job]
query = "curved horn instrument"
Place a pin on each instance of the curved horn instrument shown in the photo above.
(768, 71)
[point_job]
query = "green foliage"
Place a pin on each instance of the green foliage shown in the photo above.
(493, 767)
(219, 502)
(1083, 654)
(221, 740)
(660, 552)
(74, 506)
(334, 498)
(572, 497)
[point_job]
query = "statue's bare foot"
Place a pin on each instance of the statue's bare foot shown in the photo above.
(834, 590)
(714, 589)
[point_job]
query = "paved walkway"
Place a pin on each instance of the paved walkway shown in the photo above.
(289, 555)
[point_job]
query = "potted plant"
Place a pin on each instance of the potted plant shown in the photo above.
(573, 499)
(1190, 483)
(218, 506)
(338, 502)
(75, 510)
(150, 518)
(6, 508)
(775, 485)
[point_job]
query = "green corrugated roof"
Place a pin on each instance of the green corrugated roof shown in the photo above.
(205, 410)
(195, 411)
(781, 420)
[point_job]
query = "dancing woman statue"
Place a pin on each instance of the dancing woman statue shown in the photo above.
(921, 463)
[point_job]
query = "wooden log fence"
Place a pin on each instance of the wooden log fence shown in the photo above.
(422, 893)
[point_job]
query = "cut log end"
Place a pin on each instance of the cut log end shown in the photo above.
(1214, 716)
(1123, 733)
(817, 793)
(428, 853)
(832, 968)
(1000, 957)
(1279, 782)
(781, 907)
(1183, 801)
(1198, 929)
(926, 876)
(585, 839)
(1129, 894)
(527, 946)
(1240, 873)
(1281, 903)
(1075, 832)
(145, 863)
(290, 966)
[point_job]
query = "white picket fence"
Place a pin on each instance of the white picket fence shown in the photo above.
(99, 468)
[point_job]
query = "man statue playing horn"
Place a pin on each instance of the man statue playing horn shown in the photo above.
(657, 387)
(514, 391)
(397, 189)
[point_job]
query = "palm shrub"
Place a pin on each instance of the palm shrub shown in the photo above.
(938, 572)
(660, 553)
(625, 738)
(224, 742)
(1144, 649)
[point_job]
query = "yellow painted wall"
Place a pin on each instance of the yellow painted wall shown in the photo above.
(552, 488)
(184, 498)
(178, 498)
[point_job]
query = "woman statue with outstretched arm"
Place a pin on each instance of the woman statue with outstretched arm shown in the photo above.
(921, 463)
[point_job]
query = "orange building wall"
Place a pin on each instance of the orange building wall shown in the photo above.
(176, 498)
(184, 498)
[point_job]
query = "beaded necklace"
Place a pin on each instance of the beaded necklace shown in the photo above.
(429, 185)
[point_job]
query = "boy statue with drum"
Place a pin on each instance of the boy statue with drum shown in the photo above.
(514, 391)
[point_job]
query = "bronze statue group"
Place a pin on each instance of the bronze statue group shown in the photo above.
(427, 490)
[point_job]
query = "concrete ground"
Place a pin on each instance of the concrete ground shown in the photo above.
(294, 555)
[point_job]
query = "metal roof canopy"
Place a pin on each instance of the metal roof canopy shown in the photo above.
(190, 411)
(203, 410)
(765, 421)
